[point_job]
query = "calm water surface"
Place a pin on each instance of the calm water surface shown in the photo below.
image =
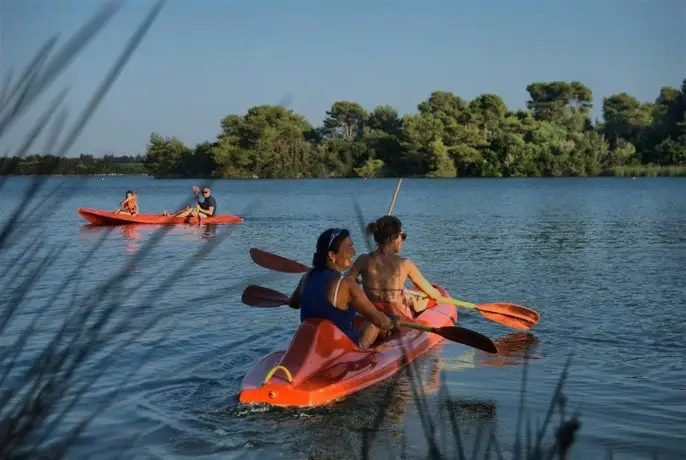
(602, 260)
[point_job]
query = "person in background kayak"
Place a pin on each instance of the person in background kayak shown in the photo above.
(129, 205)
(384, 271)
(324, 292)
(205, 208)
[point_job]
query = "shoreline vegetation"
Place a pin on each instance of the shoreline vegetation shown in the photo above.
(650, 171)
(448, 137)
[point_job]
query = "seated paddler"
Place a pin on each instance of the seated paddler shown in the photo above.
(324, 292)
(383, 272)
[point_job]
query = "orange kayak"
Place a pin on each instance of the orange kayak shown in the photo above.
(322, 364)
(100, 217)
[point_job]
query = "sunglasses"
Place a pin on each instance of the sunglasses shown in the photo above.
(205, 192)
(403, 235)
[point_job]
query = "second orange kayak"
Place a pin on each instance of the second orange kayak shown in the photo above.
(322, 364)
(101, 217)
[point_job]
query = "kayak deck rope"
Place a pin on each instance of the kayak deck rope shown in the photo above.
(276, 368)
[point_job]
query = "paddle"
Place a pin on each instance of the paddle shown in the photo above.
(507, 314)
(261, 297)
(277, 263)
(395, 196)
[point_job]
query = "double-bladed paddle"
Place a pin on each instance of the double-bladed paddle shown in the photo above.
(261, 297)
(507, 314)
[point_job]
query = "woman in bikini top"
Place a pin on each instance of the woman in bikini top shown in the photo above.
(384, 272)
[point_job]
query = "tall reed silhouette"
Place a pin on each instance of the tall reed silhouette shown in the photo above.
(42, 392)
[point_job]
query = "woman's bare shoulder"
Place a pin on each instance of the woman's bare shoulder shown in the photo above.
(407, 263)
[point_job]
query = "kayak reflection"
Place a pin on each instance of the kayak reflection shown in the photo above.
(129, 233)
(132, 237)
(132, 232)
(208, 231)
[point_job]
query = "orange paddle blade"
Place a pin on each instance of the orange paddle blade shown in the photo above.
(509, 314)
(277, 263)
(262, 297)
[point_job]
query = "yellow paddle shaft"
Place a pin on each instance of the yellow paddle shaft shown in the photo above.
(421, 327)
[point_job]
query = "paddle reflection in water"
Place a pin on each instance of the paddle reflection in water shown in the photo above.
(513, 350)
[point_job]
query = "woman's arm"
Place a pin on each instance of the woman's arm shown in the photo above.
(418, 279)
(294, 301)
(361, 303)
(357, 267)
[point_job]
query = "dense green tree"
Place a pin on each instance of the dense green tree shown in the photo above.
(268, 142)
(164, 155)
(559, 100)
(625, 118)
(345, 120)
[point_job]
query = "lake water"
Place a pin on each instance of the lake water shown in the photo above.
(602, 260)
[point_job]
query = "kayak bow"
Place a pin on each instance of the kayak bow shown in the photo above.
(321, 364)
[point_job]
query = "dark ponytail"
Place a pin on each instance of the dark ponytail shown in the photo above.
(384, 229)
(325, 244)
(319, 259)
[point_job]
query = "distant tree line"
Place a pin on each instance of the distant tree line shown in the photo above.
(81, 165)
(448, 137)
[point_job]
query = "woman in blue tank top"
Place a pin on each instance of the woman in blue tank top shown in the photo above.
(324, 292)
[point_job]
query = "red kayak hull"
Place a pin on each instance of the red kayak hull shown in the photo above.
(322, 364)
(100, 217)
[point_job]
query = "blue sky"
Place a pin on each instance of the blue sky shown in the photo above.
(204, 59)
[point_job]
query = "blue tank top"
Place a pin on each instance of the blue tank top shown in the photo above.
(314, 303)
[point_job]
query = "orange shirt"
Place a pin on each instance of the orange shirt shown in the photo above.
(131, 205)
